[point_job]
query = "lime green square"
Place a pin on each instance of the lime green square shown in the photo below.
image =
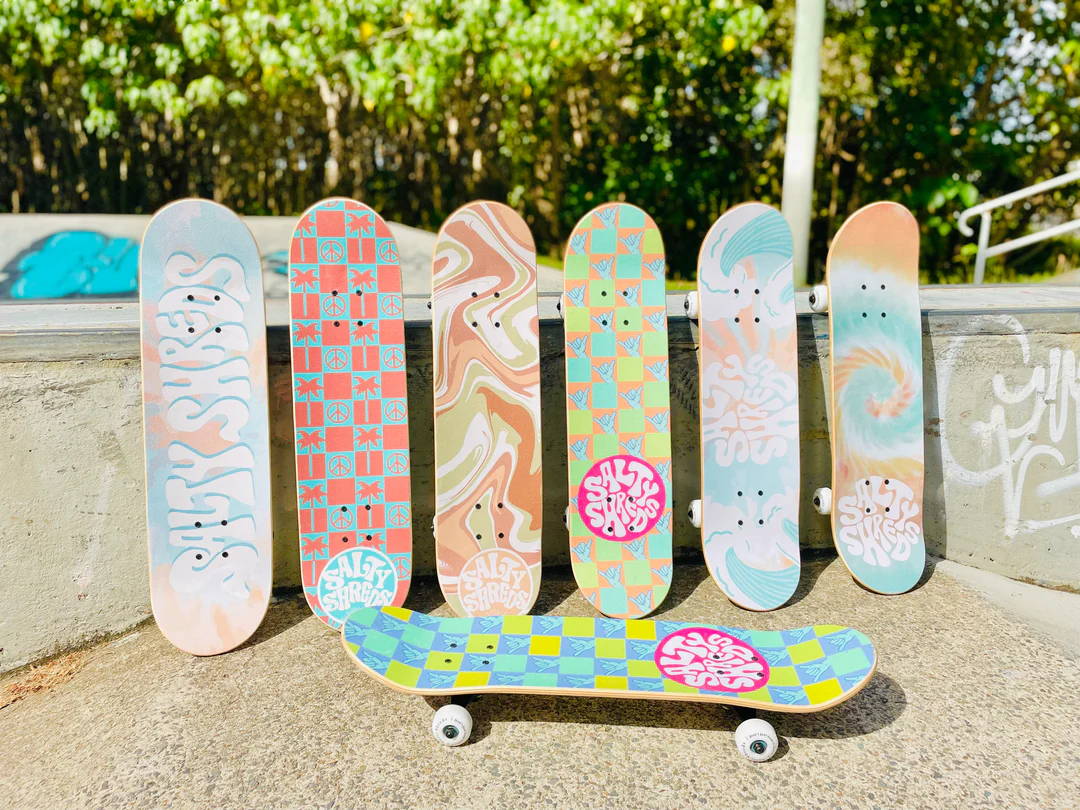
(569, 665)
(575, 319)
(443, 660)
(631, 420)
(604, 445)
(579, 626)
(576, 265)
(611, 648)
(628, 319)
(578, 468)
(630, 369)
(783, 676)
(402, 674)
(675, 686)
(608, 551)
(601, 293)
(578, 423)
(517, 625)
(759, 695)
(654, 344)
(657, 445)
(482, 643)
(642, 669)
(636, 572)
(657, 395)
(586, 575)
(652, 243)
(807, 651)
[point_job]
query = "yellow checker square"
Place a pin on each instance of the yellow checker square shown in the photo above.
(482, 643)
(783, 676)
(472, 679)
(611, 682)
(675, 686)
(642, 669)
(578, 626)
(824, 691)
(806, 651)
(641, 628)
(758, 695)
(517, 625)
(402, 674)
(443, 661)
(398, 612)
(545, 645)
(610, 648)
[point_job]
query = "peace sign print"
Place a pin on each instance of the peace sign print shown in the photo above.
(390, 305)
(335, 359)
(340, 519)
(393, 357)
(398, 515)
(331, 251)
(334, 305)
(337, 413)
(386, 251)
(397, 463)
(339, 466)
(394, 410)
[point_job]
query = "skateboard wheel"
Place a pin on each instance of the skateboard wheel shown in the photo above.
(452, 725)
(690, 304)
(756, 739)
(694, 513)
(819, 298)
(566, 518)
(823, 500)
(559, 309)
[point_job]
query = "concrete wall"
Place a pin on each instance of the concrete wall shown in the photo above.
(1002, 449)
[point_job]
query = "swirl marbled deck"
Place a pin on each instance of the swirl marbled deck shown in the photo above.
(749, 407)
(488, 499)
(205, 426)
(618, 410)
(877, 397)
(349, 410)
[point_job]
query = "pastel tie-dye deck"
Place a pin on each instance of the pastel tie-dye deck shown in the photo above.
(205, 426)
(486, 366)
(877, 397)
(799, 670)
(618, 410)
(749, 407)
(349, 410)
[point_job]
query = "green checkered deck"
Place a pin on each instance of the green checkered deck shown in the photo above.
(809, 667)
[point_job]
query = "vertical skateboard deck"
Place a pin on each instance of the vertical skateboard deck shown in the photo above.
(349, 410)
(875, 335)
(486, 332)
(618, 411)
(205, 426)
(749, 508)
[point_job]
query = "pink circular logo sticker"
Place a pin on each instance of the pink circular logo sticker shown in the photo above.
(708, 659)
(621, 498)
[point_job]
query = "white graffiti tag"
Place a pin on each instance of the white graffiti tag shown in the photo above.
(709, 659)
(878, 522)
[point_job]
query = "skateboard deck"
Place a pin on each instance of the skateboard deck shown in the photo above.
(875, 334)
(349, 410)
(749, 407)
(618, 411)
(804, 669)
(486, 333)
(205, 426)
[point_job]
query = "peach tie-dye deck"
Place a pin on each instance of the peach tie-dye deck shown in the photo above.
(205, 426)
(877, 397)
(485, 337)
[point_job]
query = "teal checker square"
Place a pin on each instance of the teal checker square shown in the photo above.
(579, 369)
(602, 240)
(602, 344)
(605, 396)
(628, 265)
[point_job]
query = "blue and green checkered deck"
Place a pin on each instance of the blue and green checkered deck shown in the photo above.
(810, 668)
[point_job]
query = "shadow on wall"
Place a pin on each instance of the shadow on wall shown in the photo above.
(86, 264)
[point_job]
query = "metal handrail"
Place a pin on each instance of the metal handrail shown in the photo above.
(982, 210)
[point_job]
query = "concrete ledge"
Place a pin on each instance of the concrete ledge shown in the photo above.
(1002, 445)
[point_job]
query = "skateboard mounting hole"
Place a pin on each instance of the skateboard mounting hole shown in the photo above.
(479, 537)
(198, 556)
(474, 323)
(490, 647)
(760, 522)
(337, 323)
(217, 328)
(496, 324)
(446, 660)
(486, 663)
(736, 319)
(344, 509)
(474, 295)
(217, 297)
(478, 506)
(361, 292)
(882, 314)
(500, 505)
(367, 507)
(368, 536)
(739, 493)
(333, 292)
(886, 481)
(501, 534)
(344, 539)
(757, 320)
(603, 292)
(864, 314)
(603, 322)
(224, 523)
(886, 509)
(224, 554)
(868, 482)
(759, 492)
(191, 298)
(191, 329)
(198, 524)
(736, 290)
(883, 286)
(868, 510)
(740, 523)
(757, 292)
(359, 323)
(496, 295)
(624, 293)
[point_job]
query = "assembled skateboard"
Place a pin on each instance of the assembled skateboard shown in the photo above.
(485, 334)
(749, 507)
(618, 411)
(875, 334)
(205, 426)
(806, 669)
(349, 410)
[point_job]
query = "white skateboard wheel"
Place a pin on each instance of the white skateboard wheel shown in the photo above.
(694, 513)
(819, 298)
(559, 308)
(823, 500)
(690, 304)
(452, 725)
(566, 518)
(756, 739)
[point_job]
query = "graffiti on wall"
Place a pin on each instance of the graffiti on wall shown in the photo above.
(1025, 430)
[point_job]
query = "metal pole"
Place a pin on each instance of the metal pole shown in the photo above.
(802, 127)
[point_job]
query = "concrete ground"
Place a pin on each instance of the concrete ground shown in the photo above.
(971, 706)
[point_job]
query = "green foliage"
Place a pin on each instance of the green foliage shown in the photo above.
(418, 106)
